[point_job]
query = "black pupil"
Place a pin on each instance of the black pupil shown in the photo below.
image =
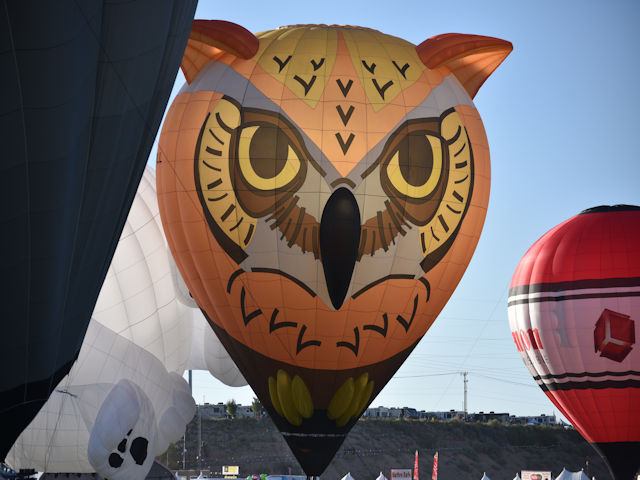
(415, 158)
(268, 151)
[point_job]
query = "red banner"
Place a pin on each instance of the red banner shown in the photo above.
(416, 474)
(434, 475)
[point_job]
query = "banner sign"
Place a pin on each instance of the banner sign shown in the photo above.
(535, 475)
(401, 474)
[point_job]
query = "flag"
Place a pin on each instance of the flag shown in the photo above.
(434, 475)
(416, 473)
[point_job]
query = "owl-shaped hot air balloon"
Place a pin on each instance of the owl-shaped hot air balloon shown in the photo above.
(322, 189)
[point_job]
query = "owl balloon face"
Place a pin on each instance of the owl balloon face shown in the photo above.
(323, 189)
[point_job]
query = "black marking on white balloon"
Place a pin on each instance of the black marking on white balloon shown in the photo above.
(138, 449)
(115, 460)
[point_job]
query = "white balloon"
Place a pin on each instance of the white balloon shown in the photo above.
(124, 434)
(145, 329)
(138, 299)
(60, 437)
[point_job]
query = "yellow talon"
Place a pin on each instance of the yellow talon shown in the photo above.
(301, 397)
(350, 412)
(283, 382)
(341, 399)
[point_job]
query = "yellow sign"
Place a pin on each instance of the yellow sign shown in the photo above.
(230, 470)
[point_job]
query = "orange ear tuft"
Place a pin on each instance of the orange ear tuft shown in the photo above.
(471, 58)
(209, 38)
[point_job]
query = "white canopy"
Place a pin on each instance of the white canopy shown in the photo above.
(567, 475)
(381, 477)
(348, 477)
(484, 477)
(517, 477)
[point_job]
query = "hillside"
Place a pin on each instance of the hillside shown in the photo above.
(466, 450)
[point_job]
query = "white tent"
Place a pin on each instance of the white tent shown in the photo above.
(484, 477)
(567, 475)
(381, 477)
(348, 477)
(517, 477)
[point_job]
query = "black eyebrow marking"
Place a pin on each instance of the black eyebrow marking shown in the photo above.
(306, 85)
(370, 68)
(281, 63)
(402, 70)
(382, 89)
(316, 66)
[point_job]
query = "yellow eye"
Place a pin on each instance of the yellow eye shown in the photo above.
(415, 168)
(267, 158)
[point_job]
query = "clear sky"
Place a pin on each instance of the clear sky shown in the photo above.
(562, 115)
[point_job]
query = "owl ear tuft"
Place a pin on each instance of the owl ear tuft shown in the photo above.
(210, 38)
(471, 58)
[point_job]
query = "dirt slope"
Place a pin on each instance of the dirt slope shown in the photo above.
(465, 450)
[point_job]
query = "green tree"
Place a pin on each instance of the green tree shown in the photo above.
(256, 407)
(232, 408)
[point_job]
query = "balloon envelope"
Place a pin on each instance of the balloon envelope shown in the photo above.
(573, 306)
(322, 190)
(84, 91)
(113, 387)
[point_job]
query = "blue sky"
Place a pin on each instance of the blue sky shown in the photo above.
(562, 116)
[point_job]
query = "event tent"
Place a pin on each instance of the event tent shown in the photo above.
(567, 475)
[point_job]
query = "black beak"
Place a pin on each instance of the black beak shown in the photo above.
(339, 241)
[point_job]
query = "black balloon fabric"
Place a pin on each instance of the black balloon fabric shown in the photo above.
(83, 89)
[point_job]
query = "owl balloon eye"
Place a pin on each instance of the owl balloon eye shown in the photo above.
(267, 158)
(268, 163)
(415, 168)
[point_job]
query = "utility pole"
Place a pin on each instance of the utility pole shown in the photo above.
(464, 376)
(184, 438)
(199, 438)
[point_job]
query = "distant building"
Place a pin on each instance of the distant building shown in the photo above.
(219, 410)
(244, 411)
(409, 413)
(485, 417)
(541, 419)
(376, 412)
(450, 415)
(210, 411)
